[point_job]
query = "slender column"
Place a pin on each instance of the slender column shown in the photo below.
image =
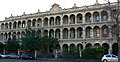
(76, 34)
(110, 40)
(92, 19)
(48, 22)
(100, 18)
(68, 34)
(61, 34)
(84, 34)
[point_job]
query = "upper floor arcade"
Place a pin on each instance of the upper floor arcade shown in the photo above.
(74, 18)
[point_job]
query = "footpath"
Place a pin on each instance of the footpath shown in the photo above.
(68, 60)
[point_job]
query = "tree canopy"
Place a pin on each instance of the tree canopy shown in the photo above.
(34, 41)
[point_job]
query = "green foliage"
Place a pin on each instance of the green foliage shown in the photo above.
(92, 53)
(33, 41)
(1, 47)
(12, 45)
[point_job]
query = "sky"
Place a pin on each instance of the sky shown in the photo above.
(17, 7)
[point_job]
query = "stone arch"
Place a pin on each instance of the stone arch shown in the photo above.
(14, 35)
(72, 19)
(39, 32)
(79, 47)
(34, 23)
(72, 47)
(97, 45)
(65, 33)
(57, 21)
(51, 33)
(88, 32)
(88, 17)
(106, 47)
(15, 25)
(96, 32)
(104, 15)
(51, 21)
(45, 22)
(65, 19)
(10, 25)
(19, 24)
(96, 16)
(22, 34)
(6, 37)
(2, 26)
(57, 33)
(45, 32)
(18, 35)
(29, 23)
(65, 48)
(89, 45)
(39, 22)
(115, 48)
(6, 26)
(105, 31)
(79, 32)
(72, 33)
(9, 35)
(79, 18)
(23, 24)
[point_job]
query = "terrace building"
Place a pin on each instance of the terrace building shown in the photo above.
(75, 27)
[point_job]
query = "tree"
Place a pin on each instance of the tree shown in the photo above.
(12, 45)
(115, 14)
(33, 41)
(1, 47)
(93, 53)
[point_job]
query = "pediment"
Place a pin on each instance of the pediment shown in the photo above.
(55, 8)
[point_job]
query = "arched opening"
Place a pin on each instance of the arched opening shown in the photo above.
(65, 48)
(51, 21)
(96, 31)
(65, 33)
(72, 19)
(79, 18)
(65, 19)
(51, 33)
(105, 31)
(89, 32)
(96, 17)
(97, 45)
(88, 45)
(115, 48)
(104, 16)
(19, 24)
(88, 17)
(72, 33)
(57, 21)
(79, 32)
(45, 32)
(72, 48)
(57, 33)
(23, 24)
(14, 25)
(29, 23)
(34, 23)
(45, 22)
(106, 47)
(39, 22)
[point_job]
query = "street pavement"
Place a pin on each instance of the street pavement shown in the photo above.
(55, 60)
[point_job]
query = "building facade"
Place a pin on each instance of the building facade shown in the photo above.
(76, 27)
